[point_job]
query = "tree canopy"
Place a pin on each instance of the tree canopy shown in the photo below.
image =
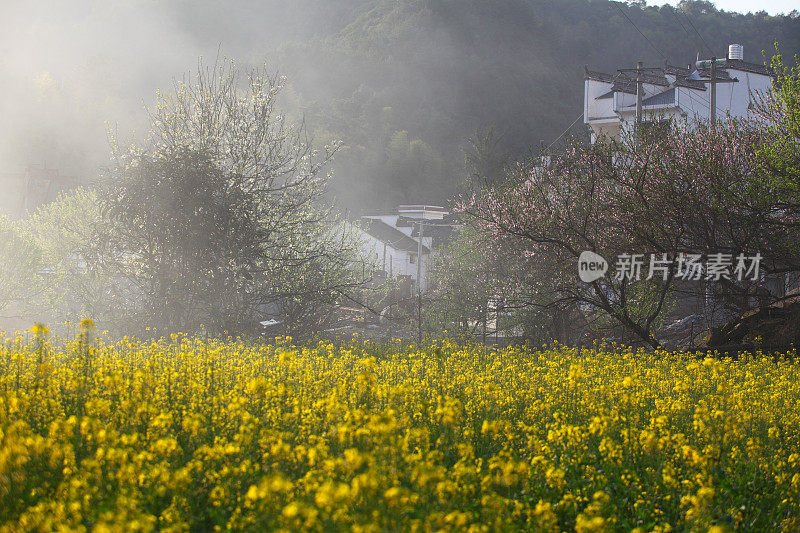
(216, 220)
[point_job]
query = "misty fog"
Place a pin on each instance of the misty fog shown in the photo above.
(400, 84)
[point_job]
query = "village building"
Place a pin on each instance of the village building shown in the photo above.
(687, 95)
(672, 93)
(393, 241)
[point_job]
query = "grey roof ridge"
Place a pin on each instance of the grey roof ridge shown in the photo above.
(393, 243)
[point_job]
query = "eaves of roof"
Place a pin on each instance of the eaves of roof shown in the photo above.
(738, 64)
(598, 76)
(661, 99)
(676, 71)
(393, 237)
(721, 73)
(691, 84)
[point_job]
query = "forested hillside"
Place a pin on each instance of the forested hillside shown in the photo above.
(401, 83)
(407, 82)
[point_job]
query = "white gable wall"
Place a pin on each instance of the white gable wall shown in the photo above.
(393, 261)
(610, 116)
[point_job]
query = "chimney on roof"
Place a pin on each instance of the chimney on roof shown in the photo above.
(736, 51)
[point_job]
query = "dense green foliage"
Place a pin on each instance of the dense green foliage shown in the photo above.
(779, 113)
(402, 83)
(407, 82)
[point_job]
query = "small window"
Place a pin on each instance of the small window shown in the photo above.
(412, 258)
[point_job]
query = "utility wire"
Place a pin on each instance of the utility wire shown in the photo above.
(698, 33)
(642, 34)
(696, 99)
(564, 132)
(677, 18)
(691, 96)
(675, 14)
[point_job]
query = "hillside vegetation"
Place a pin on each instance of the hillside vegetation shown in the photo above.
(407, 82)
(402, 83)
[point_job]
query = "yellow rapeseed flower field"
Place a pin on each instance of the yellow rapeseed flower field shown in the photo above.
(193, 435)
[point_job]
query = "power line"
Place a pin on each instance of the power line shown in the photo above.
(698, 100)
(565, 131)
(640, 33)
(675, 14)
(691, 96)
(698, 33)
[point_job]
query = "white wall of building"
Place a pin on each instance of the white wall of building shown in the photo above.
(394, 261)
(609, 116)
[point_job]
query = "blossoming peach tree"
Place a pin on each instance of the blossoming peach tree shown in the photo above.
(660, 193)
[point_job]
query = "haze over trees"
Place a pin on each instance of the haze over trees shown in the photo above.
(401, 84)
(215, 222)
(211, 219)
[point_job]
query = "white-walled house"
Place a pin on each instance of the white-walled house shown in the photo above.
(392, 239)
(671, 92)
(682, 94)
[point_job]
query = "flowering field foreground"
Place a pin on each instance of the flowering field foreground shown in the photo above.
(194, 435)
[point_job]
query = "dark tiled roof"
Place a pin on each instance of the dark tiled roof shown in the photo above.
(664, 98)
(393, 237)
(692, 84)
(598, 76)
(624, 86)
(738, 64)
(676, 71)
(654, 78)
(734, 64)
(441, 234)
(625, 80)
(721, 73)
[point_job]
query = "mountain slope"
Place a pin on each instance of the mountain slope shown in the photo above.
(407, 81)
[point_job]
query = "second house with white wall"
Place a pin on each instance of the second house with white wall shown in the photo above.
(393, 243)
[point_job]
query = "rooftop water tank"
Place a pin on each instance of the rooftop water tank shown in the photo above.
(736, 51)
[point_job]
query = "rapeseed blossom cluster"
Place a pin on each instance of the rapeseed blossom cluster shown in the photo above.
(189, 434)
